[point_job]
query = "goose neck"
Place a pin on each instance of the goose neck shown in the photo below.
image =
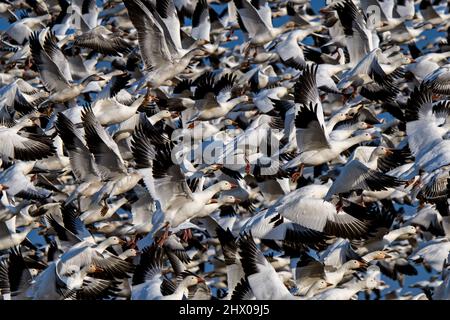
(332, 123)
(208, 193)
(351, 141)
(104, 245)
(394, 234)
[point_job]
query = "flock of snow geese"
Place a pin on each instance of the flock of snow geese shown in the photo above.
(240, 149)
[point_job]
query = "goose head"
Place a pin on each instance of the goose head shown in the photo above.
(382, 151)
(320, 285)
(226, 185)
(128, 254)
(111, 241)
(228, 200)
(115, 241)
(355, 264)
(91, 268)
(34, 272)
(190, 280)
(408, 231)
(363, 125)
(367, 137)
(401, 233)
(380, 255)
(341, 116)
(165, 114)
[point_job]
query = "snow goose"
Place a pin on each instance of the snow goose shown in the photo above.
(141, 215)
(306, 91)
(423, 116)
(46, 286)
(15, 276)
(428, 219)
(109, 161)
(162, 176)
(381, 158)
(347, 292)
(264, 99)
(55, 71)
(330, 221)
(110, 111)
(357, 176)
(435, 191)
(8, 209)
(215, 204)
(99, 213)
(169, 59)
(377, 244)
(433, 253)
(229, 246)
(9, 237)
(214, 99)
(242, 291)
(345, 129)
(430, 15)
(388, 17)
(426, 64)
(17, 183)
(309, 271)
(85, 253)
(292, 236)
(82, 161)
(314, 143)
(125, 129)
(51, 285)
(101, 40)
(397, 267)
(22, 145)
(442, 291)
(74, 276)
(86, 14)
(257, 21)
(149, 284)
(438, 80)
(367, 70)
(260, 274)
(406, 9)
(15, 88)
(290, 53)
(21, 29)
(106, 152)
(375, 255)
(358, 36)
(201, 21)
